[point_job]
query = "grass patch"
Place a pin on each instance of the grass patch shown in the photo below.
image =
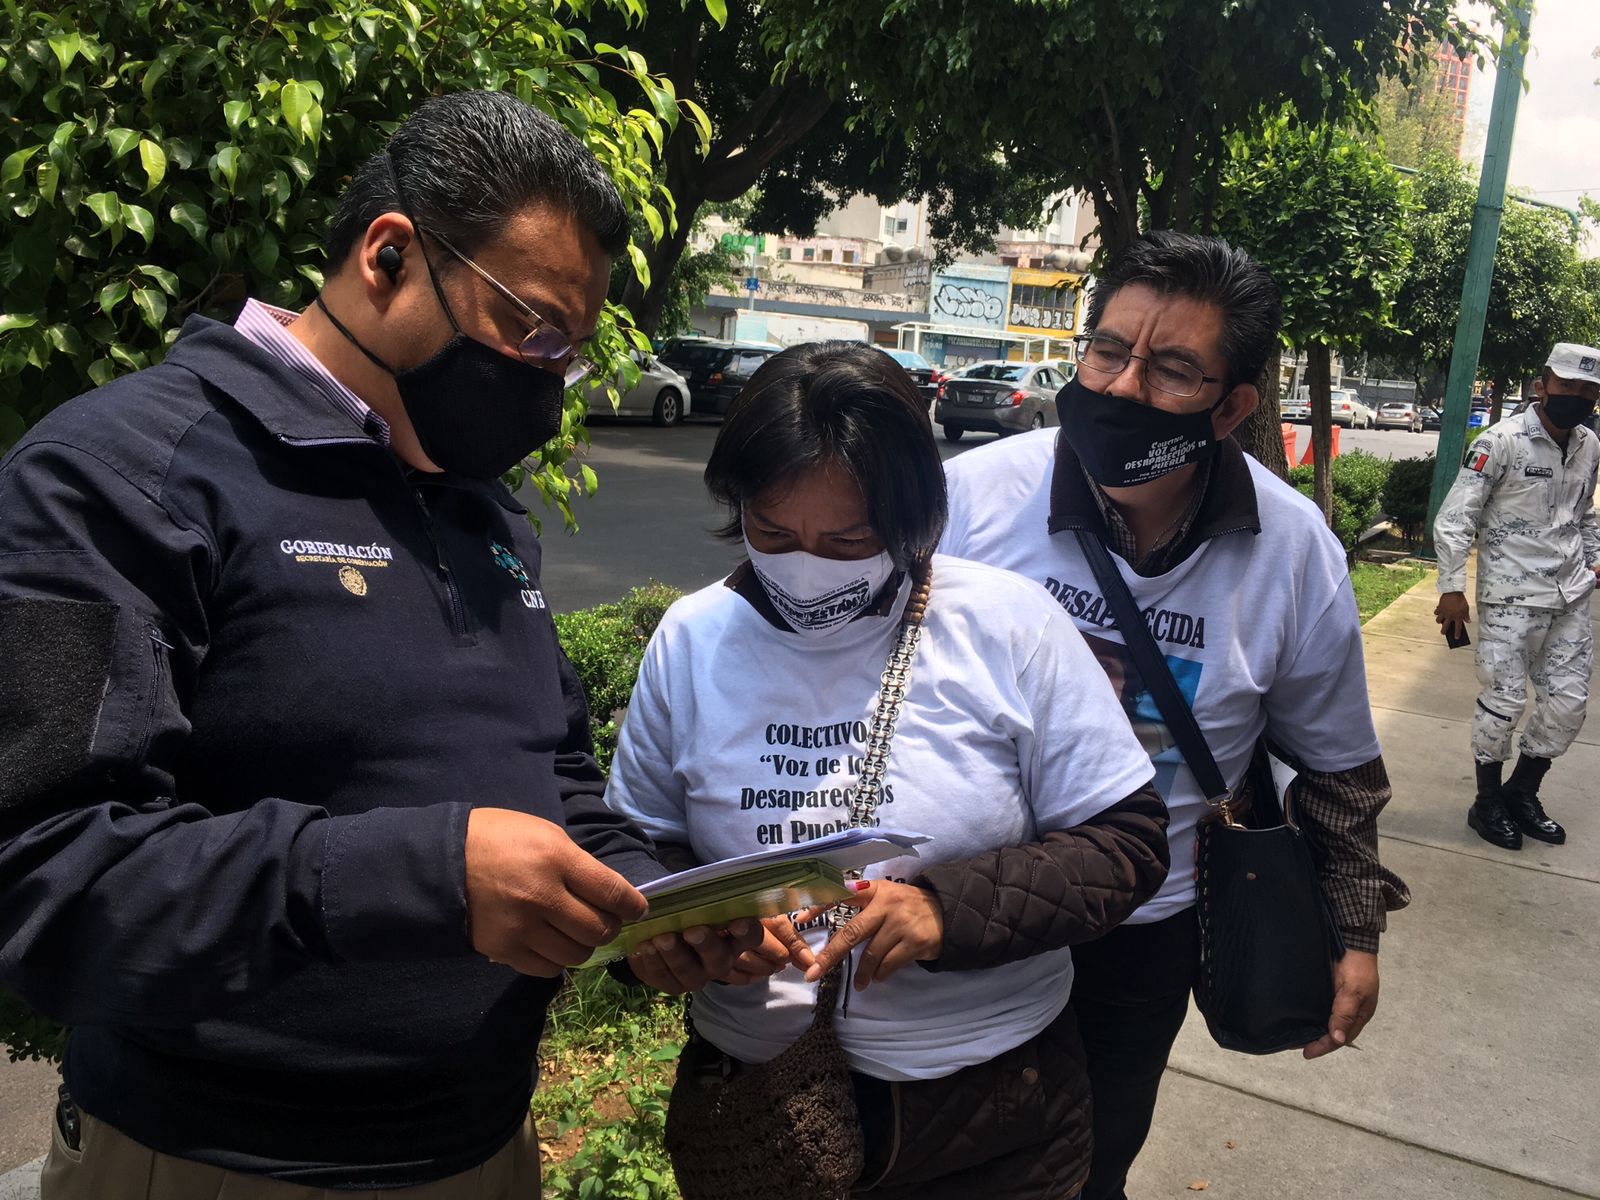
(606, 1070)
(1377, 585)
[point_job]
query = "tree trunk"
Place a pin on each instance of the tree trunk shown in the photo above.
(1320, 377)
(646, 304)
(1261, 435)
(1497, 401)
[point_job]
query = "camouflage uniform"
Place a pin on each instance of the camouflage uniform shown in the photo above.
(1531, 506)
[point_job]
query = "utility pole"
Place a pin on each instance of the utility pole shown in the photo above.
(1480, 263)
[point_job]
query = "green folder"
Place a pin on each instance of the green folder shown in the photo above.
(761, 891)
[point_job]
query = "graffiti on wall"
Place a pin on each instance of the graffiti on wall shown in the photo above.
(963, 302)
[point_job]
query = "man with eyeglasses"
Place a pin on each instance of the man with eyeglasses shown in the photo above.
(1246, 594)
(299, 819)
(1526, 495)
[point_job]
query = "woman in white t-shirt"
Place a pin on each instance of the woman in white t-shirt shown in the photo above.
(747, 728)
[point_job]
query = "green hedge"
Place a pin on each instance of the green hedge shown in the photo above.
(1405, 496)
(1358, 479)
(605, 644)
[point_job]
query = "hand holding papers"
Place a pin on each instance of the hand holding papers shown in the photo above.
(763, 884)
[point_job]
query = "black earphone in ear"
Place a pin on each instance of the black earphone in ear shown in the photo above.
(389, 261)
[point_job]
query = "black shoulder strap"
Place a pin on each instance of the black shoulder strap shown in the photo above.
(1153, 667)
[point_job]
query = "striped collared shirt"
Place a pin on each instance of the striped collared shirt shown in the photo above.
(267, 327)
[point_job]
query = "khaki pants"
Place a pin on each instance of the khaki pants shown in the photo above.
(112, 1166)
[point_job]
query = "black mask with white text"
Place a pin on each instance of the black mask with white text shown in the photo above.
(1122, 443)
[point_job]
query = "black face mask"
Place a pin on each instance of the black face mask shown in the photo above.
(477, 412)
(1123, 443)
(1566, 412)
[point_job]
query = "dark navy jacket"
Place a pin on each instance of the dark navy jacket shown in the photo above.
(254, 674)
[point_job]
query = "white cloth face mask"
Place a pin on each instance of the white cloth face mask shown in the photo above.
(819, 595)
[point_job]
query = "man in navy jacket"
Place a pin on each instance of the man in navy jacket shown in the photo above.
(299, 822)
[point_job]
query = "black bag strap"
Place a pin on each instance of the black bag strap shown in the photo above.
(1157, 674)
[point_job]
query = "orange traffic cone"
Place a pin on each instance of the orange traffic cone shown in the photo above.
(1333, 449)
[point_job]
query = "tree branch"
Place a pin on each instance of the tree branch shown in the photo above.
(1121, 197)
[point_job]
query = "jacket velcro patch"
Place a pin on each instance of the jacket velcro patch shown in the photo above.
(58, 663)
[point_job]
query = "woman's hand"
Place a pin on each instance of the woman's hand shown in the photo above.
(677, 963)
(899, 924)
(781, 944)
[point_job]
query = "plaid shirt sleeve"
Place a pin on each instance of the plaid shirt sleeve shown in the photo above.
(1340, 810)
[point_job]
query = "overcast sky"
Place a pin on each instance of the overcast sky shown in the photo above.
(1556, 151)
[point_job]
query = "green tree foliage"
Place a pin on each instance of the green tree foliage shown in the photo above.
(1129, 102)
(605, 645)
(802, 150)
(689, 279)
(1542, 292)
(25, 1034)
(1414, 120)
(1325, 214)
(1358, 484)
(166, 157)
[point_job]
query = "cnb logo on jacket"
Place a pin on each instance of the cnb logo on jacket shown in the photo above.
(513, 566)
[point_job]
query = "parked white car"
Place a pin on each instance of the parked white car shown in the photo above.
(661, 394)
(1351, 411)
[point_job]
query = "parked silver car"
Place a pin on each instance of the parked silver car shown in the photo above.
(1400, 414)
(661, 394)
(999, 397)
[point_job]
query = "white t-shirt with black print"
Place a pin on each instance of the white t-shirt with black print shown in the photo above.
(741, 736)
(1261, 630)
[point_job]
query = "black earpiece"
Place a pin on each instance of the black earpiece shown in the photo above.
(389, 261)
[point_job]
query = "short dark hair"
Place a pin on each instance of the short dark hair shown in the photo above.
(1209, 269)
(839, 404)
(468, 161)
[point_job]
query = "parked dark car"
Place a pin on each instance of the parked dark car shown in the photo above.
(716, 370)
(1432, 418)
(920, 369)
(999, 397)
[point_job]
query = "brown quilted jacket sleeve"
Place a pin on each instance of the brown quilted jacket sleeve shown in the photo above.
(1073, 886)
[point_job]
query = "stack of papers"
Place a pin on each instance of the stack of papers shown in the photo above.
(763, 884)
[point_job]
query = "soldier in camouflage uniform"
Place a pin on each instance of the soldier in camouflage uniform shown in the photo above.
(1526, 494)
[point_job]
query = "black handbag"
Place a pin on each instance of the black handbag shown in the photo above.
(1268, 938)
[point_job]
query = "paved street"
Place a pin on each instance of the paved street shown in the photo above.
(1385, 443)
(1476, 1078)
(651, 517)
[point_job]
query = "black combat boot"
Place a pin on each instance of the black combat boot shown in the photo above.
(1487, 817)
(1522, 800)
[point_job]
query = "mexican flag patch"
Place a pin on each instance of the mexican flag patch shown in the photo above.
(1478, 461)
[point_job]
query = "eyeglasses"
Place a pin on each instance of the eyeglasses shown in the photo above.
(1165, 372)
(546, 343)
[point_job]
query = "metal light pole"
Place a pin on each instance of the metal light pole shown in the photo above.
(1480, 263)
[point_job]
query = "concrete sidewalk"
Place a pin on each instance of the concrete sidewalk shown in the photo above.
(1477, 1076)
